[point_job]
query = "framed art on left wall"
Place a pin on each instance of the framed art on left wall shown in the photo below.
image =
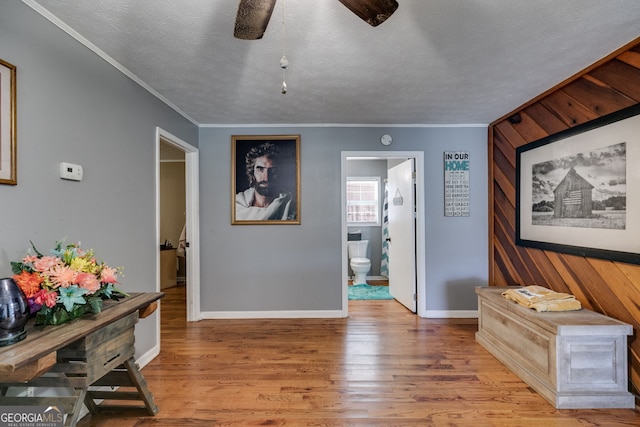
(7, 123)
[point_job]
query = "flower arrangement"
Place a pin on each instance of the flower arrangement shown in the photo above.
(66, 284)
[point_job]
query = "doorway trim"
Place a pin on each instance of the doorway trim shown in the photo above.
(192, 214)
(421, 287)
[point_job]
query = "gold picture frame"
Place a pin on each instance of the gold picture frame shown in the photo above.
(265, 179)
(8, 144)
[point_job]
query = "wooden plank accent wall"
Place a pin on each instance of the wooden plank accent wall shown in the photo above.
(608, 287)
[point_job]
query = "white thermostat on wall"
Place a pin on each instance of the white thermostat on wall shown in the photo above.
(70, 171)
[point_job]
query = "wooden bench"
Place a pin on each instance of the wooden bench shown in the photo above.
(574, 359)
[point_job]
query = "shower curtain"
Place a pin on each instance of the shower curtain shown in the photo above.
(384, 259)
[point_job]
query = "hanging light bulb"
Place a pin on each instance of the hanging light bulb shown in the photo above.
(284, 63)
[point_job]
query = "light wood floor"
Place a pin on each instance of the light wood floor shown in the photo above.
(383, 366)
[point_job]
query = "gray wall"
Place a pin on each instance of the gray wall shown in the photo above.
(73, 106)
(298, 267)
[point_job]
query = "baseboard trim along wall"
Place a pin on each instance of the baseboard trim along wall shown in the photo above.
(148, 356)
(324, 314)
(451, 314)
(304, 314)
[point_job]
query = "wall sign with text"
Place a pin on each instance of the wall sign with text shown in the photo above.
(456, 183)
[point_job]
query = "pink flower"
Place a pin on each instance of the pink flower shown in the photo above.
(62, 275)
(88, 281)
(108, 275)
(44, 297)
(29, 258)
(46, 263)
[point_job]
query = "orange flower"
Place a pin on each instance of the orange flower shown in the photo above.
(28, 282)
(61, 275)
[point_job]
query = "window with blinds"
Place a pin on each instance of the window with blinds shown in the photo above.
(363, 200)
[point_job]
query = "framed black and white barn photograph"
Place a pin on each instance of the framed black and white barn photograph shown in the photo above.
(578, 191)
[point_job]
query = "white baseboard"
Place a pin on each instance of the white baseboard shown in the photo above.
(324, 314)
(451, 314)
(147, 357)
(297, 314)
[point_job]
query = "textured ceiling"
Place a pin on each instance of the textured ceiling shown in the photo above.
(432, 62)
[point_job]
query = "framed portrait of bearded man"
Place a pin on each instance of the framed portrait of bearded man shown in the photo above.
(265, 179)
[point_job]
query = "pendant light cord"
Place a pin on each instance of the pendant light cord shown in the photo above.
(284, 62)
(284, 38)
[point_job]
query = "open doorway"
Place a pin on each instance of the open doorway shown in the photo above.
(390, 158)
(171, 147)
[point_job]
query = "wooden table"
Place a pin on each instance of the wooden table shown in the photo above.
(95, 350)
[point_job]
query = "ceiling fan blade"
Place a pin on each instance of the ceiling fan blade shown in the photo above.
(373, 12)
(252, 19)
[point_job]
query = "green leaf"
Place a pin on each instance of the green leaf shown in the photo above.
(17, 267)
(96, 305)
(35, 250)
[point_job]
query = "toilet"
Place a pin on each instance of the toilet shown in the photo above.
(360, 264)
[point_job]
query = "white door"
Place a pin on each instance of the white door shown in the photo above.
(402, 235)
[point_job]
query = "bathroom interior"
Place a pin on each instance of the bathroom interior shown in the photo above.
(364, 241)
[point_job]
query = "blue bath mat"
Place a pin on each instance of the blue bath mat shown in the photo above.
(364, 292)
